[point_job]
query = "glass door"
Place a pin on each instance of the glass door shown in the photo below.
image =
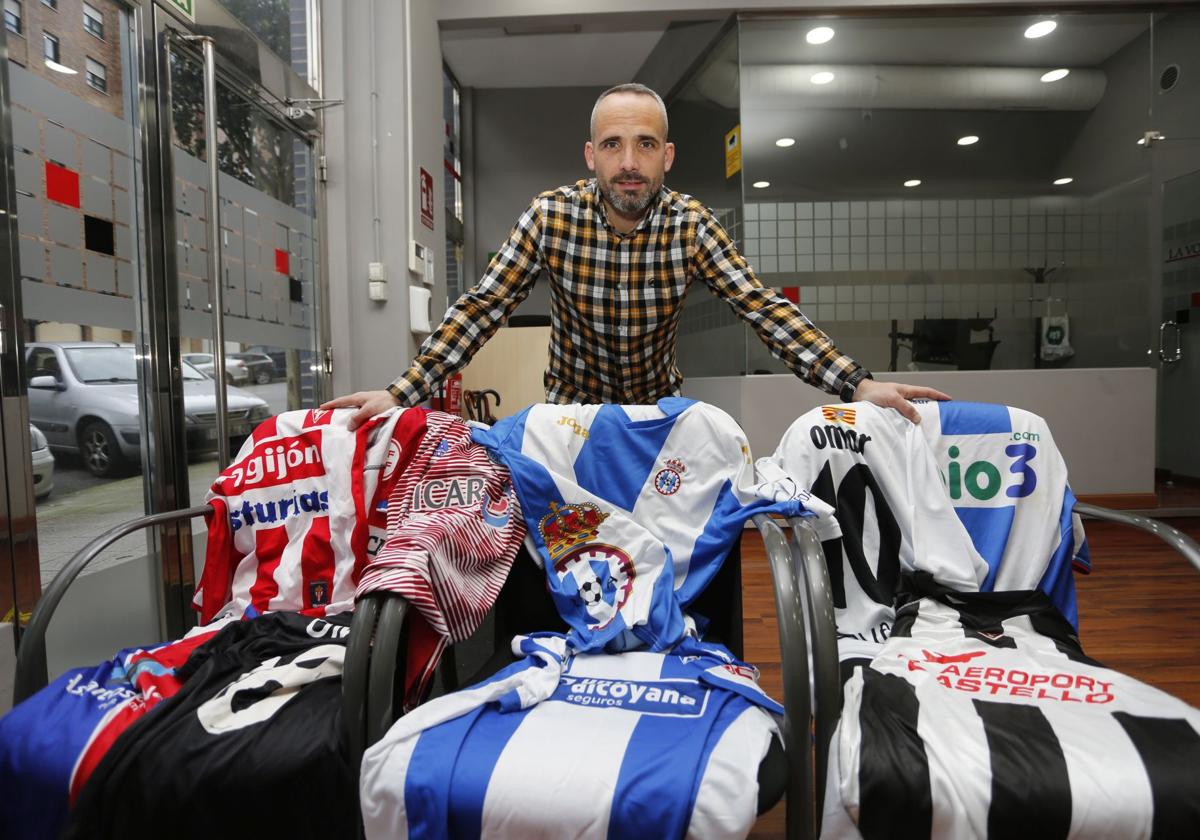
(268, 253)
(111, 368)
(76, 418)
(1172, 134)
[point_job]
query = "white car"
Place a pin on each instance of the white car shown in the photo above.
(236, 372)
(43, 464)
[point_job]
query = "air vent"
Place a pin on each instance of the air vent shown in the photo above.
(1168, 78)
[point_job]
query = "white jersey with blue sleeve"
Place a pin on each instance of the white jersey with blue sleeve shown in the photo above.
(638, 744)
(631, 509)
(1008, 484)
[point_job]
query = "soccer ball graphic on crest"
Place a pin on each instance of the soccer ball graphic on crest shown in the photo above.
(591, 591)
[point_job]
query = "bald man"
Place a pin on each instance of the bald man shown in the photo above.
(620, 251)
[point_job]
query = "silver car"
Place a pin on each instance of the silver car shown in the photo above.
(83, 396)
(236, 372)
(43, 464)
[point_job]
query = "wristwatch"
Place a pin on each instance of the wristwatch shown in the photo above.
(851, 384)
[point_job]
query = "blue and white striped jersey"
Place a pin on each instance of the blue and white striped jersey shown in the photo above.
(631, 509)
(638, 744)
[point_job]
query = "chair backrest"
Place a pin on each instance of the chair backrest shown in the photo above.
(1008, 484)
(875, 470)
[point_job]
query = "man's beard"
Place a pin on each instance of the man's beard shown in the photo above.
(629, 204)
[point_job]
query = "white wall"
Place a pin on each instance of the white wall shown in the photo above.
(372, 341)
(1103, 420)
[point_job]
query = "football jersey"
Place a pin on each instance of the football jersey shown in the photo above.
(453, 527)
(637, 744)
(251, 745)
(51, 742)
(631, 509)
(876, 471)
(1008, 484)
(289, 525)
(982, 717)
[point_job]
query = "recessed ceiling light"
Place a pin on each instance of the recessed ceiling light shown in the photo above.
(1055, 75)
(784, 142)
(820, 35)
(913, 182)
(761, 185)
(1058, 182)
(60, 68)
(1041, 29)
(822, 78)
(969, 140)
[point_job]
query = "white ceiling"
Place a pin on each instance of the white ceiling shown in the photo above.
(592, 57)
(1079, 40)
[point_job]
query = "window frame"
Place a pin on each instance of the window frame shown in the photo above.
(90, 77)
(93, 24)
(51, 38)
(14, 22)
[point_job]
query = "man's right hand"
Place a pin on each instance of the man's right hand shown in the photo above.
(368, 403)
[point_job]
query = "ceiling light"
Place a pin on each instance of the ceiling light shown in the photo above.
(784, 142)
(1055, 75)
(1141, 141)
(761, 185)
(1059, 182)
(1041, 29)
(913, 182)
(820, 35)
(60, 68)
(822, 78)
(969, 140)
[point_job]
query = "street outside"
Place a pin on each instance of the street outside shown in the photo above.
(83, 506)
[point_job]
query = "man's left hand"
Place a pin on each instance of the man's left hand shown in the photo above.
(897, 396)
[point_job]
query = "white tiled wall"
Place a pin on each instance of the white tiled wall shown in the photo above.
(801, 237)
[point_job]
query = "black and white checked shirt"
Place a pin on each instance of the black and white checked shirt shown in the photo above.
(616, 302)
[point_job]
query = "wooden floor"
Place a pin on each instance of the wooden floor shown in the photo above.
(1139, 614)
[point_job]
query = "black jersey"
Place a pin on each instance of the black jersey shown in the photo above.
(251, 744)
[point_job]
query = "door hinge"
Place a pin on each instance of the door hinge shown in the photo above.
(322, 169)
(329, 361)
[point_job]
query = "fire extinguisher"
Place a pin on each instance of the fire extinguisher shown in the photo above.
(449, 398)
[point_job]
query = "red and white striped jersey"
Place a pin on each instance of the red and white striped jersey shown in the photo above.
(289, 527)
(453, 528)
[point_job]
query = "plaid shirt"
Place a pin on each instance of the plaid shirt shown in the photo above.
(617, 302)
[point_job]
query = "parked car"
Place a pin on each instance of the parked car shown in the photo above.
(83, 396)
(236, 373)
(43, 464)
(278, 356)
(260, 365)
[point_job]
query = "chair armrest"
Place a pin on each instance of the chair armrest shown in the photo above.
(1173, 537)
(31, 653)
(356, 674)
(794, 664)
(809, 560)
(381, 685)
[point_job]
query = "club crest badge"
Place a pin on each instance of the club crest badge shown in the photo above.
(668, 480)
(602, 575)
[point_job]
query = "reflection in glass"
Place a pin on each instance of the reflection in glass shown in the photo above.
(956, 192)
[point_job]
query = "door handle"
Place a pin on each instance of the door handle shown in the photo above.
(216, 287)
(1162, 351)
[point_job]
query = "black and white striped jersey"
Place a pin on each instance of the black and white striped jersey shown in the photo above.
(982, 717)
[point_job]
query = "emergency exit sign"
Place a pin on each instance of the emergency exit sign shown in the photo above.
(188, 7)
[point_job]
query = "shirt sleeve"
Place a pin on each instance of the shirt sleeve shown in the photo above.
(476, 316)
(787, 332)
